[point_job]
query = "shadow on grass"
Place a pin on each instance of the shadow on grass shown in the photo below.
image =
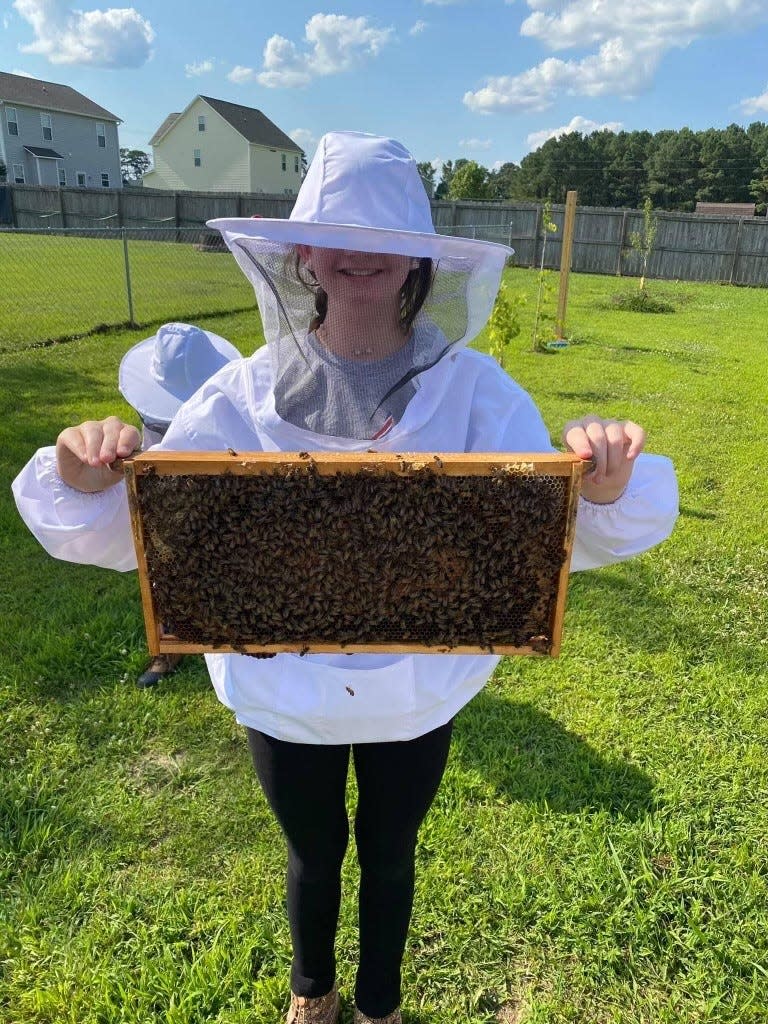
(528, 756)
(606, 395)
(31, 402)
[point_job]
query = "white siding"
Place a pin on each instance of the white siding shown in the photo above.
(223, 155)
(267, 174)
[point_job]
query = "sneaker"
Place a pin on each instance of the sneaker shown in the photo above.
(319, 1010)
(392, 1018)
(160, 666)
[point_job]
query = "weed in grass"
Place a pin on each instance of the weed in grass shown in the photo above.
(640, 302)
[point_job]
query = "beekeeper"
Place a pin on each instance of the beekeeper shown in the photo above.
(367, 314)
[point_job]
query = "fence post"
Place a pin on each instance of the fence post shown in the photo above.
(622, 242)
(128, 289)
(61, 208)
(736, 250)
(569, 224)
(536, 230)
(13, 207)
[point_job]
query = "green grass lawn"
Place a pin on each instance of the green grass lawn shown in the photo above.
(59, 285)
(597, 852)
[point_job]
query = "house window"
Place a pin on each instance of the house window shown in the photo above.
(62, 177)
(101, 136)
(201, 122)
(80, 177)
(47, 125)
(296, 164)
(12, 119)
(18, 174)
(104, 179)
(198, 158)
(285, 162)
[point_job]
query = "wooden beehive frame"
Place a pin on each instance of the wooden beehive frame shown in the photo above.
(185, 464)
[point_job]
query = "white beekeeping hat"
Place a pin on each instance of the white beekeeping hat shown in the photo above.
(362, 195)
(160, 373)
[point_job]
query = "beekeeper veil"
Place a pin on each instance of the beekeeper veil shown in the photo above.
(360, 299)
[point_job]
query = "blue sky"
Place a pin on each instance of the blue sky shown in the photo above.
(488, 80)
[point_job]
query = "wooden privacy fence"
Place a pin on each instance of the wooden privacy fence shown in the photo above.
(688, 247)
(32, 206)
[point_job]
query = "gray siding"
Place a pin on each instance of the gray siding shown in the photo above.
(74, 137)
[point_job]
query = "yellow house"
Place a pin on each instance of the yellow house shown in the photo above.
(216, 146)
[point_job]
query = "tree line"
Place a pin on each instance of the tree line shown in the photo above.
(674, 169)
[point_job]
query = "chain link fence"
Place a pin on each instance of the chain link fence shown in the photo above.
(62, 284)
(59, 284)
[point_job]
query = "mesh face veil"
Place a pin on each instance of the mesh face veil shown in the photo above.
(359, 298)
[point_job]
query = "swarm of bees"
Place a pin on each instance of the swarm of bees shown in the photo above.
(299, 557)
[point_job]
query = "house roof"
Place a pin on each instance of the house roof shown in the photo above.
(726, 209)
(250, 123)
(164, 127)
(49, 154)
(33, 92)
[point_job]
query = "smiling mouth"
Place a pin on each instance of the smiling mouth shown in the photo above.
(349, 272)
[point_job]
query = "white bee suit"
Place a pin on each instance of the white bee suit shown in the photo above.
(348, 698)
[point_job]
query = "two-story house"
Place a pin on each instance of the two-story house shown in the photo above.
(53, 135)
(216, 146)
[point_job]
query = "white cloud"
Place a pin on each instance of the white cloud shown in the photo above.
(576, 124)
(239, 75)
(113, 38)
(475, 143)
(443, 3)
(417, 28)
(303, 137)
(755, 104)
(627, 41)
(283, 64)
(334, 43)
(24, 74)
(201, 68)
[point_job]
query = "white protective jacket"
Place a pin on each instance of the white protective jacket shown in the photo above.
(349, 698)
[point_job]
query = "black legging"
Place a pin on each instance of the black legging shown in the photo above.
(305, 786)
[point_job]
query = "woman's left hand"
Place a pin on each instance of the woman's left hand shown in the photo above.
(613, 445)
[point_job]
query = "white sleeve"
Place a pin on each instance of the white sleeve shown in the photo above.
(642, 517)
(93, 529)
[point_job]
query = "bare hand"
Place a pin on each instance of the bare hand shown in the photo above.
(85, 453)
(613, 445)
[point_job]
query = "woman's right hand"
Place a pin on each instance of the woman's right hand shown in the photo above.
(85, 453)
